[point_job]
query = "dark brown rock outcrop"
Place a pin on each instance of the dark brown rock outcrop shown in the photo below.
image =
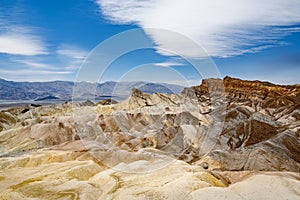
(238, 90)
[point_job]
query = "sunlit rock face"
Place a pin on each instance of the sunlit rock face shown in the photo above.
(207, 143)
(261, 125)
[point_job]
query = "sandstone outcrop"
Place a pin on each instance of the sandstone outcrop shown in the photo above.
(261, 124)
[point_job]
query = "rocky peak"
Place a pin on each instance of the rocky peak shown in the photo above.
(241, 90)
(138, 93)
(262, 89)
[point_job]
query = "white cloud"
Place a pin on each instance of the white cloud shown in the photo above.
(72, 52)
(223, 28)
(32, 72)
(36, 77)
(21, 45)
(17, 38)
(73, 56)
(20, 40)
(55, 66)
(168, 64)
(33, 64)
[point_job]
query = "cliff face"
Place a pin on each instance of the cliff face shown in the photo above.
(261, 123)
(243, 90)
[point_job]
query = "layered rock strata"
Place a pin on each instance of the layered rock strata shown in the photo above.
(208, 142)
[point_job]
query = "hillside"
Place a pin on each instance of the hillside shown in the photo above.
(224, 139)
(10, 90)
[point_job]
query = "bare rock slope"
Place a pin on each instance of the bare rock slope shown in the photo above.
(261, 124)
(208, 142)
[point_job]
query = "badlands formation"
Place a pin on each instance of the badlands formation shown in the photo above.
(225, 139)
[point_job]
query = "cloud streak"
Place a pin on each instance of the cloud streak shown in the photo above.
(17, 38)
(223, 28)
(72, 52)
(33, 64)
(21, 43)
(33, 72)
(168, 64)
(26, 51)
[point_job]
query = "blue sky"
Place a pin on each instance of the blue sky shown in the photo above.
(49, 40)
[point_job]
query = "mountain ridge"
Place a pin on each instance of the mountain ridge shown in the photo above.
(11, 90)
(239, 89)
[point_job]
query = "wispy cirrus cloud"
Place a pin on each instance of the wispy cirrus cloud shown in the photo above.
(33, 72)
(21, 44)
(16, 37)
(26, 51)
(223, 28)
(32, 64)
(60, 63)
(34, 75)
(73, 55)
(168, 64)
(72, 52)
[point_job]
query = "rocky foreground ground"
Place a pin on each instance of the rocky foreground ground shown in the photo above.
(224, 139)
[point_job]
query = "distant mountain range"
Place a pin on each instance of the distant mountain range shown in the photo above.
(10, 90)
